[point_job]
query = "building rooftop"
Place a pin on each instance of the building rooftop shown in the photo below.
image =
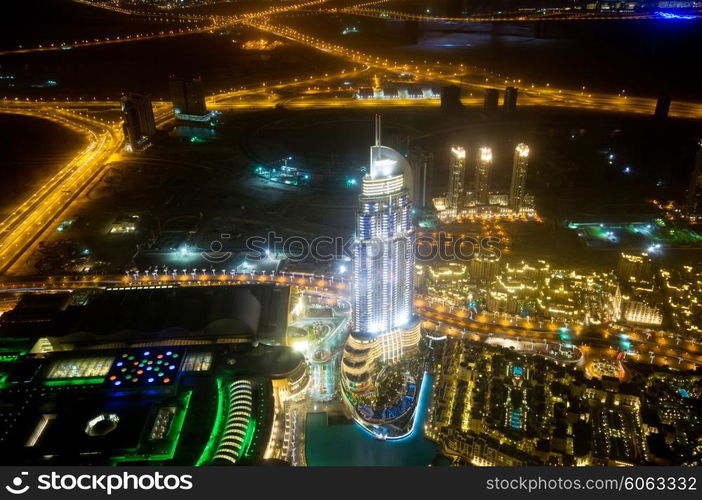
(147, 314)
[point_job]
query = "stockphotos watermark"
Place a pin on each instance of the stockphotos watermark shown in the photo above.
(427, 248)
(105, 483)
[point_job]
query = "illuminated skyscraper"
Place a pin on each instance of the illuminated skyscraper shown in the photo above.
(384, 259)
(519, 172)
(138, 116)
(482, 176)
(457, 174)
(383, 269)
(693, 202)
(634, 268)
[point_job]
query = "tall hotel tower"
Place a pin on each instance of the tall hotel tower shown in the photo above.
(457, 175)
(482, 176)
(385, 326)
(519, 172)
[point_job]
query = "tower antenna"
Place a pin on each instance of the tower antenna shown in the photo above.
(377, 129)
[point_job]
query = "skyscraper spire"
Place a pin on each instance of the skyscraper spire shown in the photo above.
(377, 129)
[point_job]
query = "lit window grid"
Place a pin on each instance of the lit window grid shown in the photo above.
(383, 291)
(382, 187)
(197, 362)
(80, 368)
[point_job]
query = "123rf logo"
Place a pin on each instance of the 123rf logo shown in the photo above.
(107, 483)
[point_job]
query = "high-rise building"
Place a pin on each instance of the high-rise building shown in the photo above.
(451, 98)
(187, 96)
(482, 176)
(519, 172)
(634, 268)
(510, 101)
(693, 202)
(138, 117)
(457, 176)
(484, 267)
(491, 100)
(385, 326)
(662, 106)
(422, 163)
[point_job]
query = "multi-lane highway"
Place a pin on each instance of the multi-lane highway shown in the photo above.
(23, 226)
(36, 214)
(471, 79)
(600, 342)
(202, 24)
(474, 80)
